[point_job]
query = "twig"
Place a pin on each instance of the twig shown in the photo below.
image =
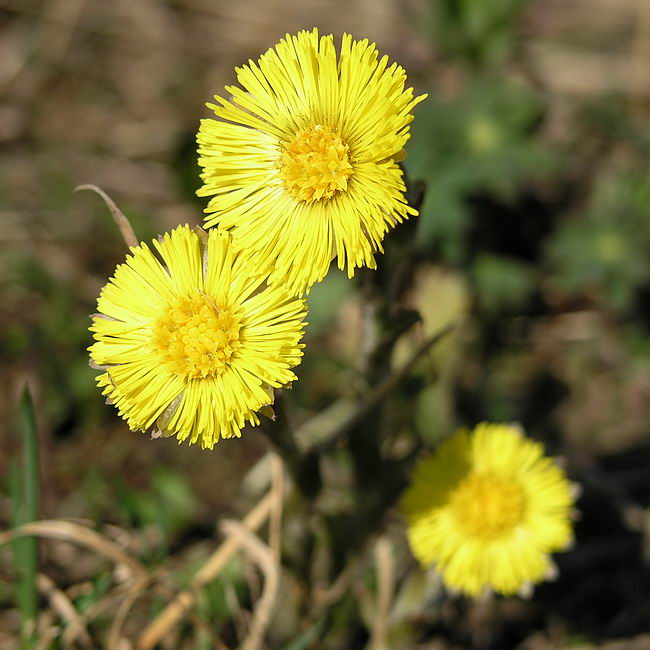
(121, 221)
(175, 610)
(262, 555)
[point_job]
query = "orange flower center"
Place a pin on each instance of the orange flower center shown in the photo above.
(196, 338)
(487, 506)
(315, 164)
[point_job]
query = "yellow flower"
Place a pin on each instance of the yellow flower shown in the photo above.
(302, 166)
(487, 508)
(192, 344)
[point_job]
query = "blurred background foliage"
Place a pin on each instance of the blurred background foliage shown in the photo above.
(532, 153)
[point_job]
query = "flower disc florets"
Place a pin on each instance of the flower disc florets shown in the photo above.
(488, 506)
(315, 164)
(195, 338)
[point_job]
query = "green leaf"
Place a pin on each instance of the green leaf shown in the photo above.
(481, 141)
(478, 32)
(604, 251)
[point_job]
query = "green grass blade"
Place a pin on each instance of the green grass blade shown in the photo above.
(27, 492)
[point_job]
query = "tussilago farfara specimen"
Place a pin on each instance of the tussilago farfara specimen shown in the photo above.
(302, 166)
(192, 339)
(487, 508)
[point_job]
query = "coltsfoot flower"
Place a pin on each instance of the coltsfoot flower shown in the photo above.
(302, 166)
(487, 508)
(193, 341)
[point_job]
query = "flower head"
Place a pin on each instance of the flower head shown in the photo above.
(302, 166)
(487, 508)
(193, 342)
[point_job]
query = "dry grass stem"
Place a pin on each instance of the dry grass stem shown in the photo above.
(277, 492)
(115, 639)
(76, 534)
(76, 627)
(175, 610)
(47, 631)
(237, 614)
(324, 597)
(263, 556)
(122, 222)
(385, 582)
